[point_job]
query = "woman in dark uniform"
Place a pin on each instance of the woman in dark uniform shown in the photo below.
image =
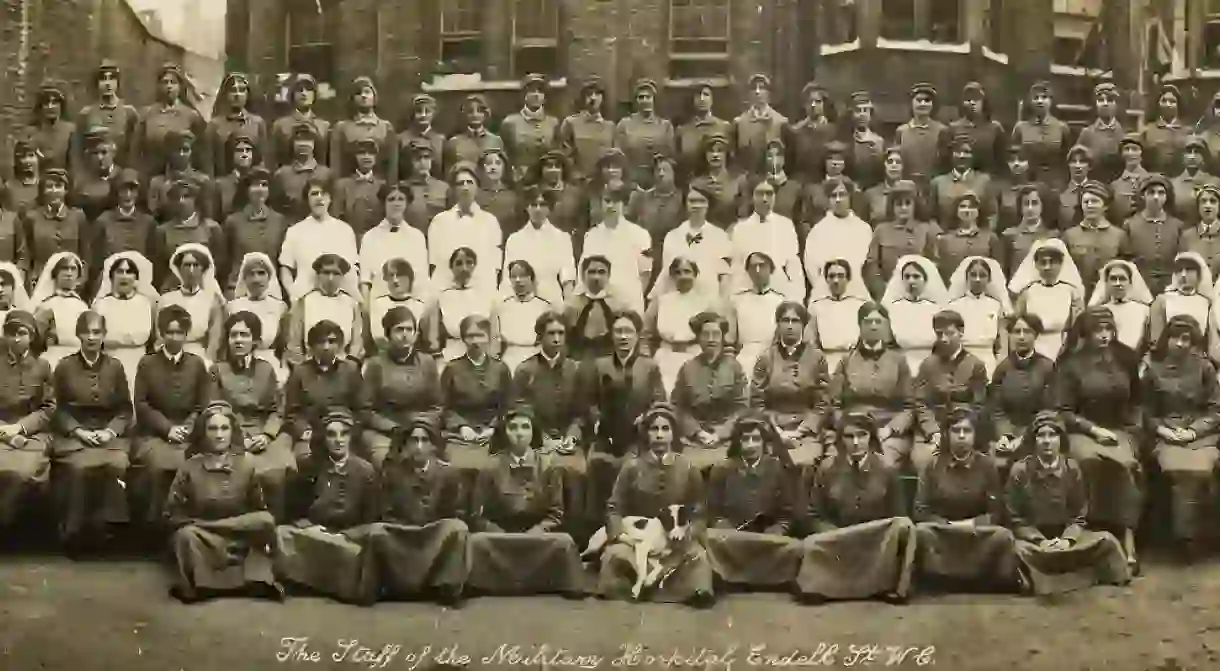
(1182, 401)
(241, 155)
(1097, 389)
(402, 383)
(648, 485)
(1194, 176)
(222, 530)
(530, 132)
(419, 128)
(586, 134)
(749, 510)
(169, 115)
(235, 118)
(253, 227)
(958, 511)
(1103, 137)
(815, 199)
(1046, 504)
(713, 177)
(53, 226)
(428, 196)
(1020, 388)
(643, 135)
(517, 513)
(922, 138)
(811, 134)
(50, 129)
(27, 404)
(1006, 184)
(497, 194)
(1165, 137)
(475, 389)
(1043, 136)
(986, 134)
(364, 123)
(303, 94)
(710, 393)
(21, 191)
(693, 134)
(867, 148)
(658, 209)
(1126, 186)
(1019, 237)
(1080, 163)
(862, 546)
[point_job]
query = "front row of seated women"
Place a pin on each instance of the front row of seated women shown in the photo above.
(410, 532)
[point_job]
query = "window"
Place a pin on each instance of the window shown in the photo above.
(938, 21)
(840, 21)
(309, 46)
(1210, 58)
(1078, 28)
(698, 38)
(462, 35)
(536, 37)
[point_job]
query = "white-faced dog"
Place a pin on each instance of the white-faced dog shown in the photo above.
(655, 541)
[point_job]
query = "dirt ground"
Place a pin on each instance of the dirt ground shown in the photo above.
(55, 614)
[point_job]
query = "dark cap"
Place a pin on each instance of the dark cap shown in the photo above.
(1156, 178)
(1196, 141)
(646, 83)
(182, 187)
(304, 129)
(422, 99)
(861, 97)
(304, 80)
(366, 144)
(593, 83)
(108, 65)
(1132, 138)
(534, 80)
(923, 87)
(904, 187)
(973, 90)
(127, 177)
(811, 88)
(97, 135)
(759, 77)
(55, 174)
(20, 319)
(420, 146)
(1105, 89)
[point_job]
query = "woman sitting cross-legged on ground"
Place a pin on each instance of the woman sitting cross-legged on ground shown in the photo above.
(749, 503)
(517, 509)
(862, 545)
(647, 486)
(222, 530)
(27, 404)
(1047, 506)
(322, 549)
(958, 509)
(419, 544)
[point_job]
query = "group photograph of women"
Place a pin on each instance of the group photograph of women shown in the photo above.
(302, 358)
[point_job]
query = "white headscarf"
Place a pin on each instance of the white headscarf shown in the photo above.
(144, 267)
(855, 285)
(21, 299)
(209, 282)
(1205, 288)
(1027, 272)
(45, 288)
(1138, 291)
(934, 290)
(274, 290)
(959, 284)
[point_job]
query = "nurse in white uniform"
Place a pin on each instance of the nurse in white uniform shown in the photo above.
(978, 292)
(127, 299)
(199, 294)
(1048, 284)
(57, 305)
(1121, 288)
(258, 292)
(913, 295)
(678, 297)
(834, 309)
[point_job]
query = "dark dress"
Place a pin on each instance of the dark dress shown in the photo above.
(709, 396)
(879, 383)
(281, 138)
(791, 387)
(49, 233)
(119, 231)
(1020, 388)
(398, 391)
(749, 509)
(157, 122)
(516, 513)
(312, 391)
(553, 390)
(862, 546)
(246, 232)
(27, 398)
(473, 396)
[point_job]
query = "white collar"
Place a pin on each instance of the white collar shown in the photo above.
(172, 358)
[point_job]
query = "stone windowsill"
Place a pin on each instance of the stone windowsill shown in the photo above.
(923, 45)
(845, 47)
(697, 82)
(1077, 71)
(475, 83)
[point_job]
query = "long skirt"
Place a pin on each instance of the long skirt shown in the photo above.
(224, 555)
(272, 467)
(468, 458)
(1095, 559)
(603, 468)
(670, 361)
(1191, 470)
(22, 471)
(985, 353)
(406, 559)
(984, 555)
(154, 463)
(89, 484)
(130, 358)
(753, 559)
(328, 563)
(515, 354)
(692, 574)
(860, 561)
(524, 563)
(574, 469)
(1113, 478)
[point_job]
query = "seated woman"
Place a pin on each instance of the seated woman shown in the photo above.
(1020, 389)
(401, 383)
(223, 533)
(27, 403)
(749, 508)
(321, 550)
(1122, 290)
(329, 301)
(549, 382)
(617, 389)
(1097, 391)
(979, 293)
(1046, 501)
(1189, 293)
(950, 376)
(862, 545)
(90, 449)
(58, 305)
(788, 386)
(1048, 284)
(13, 295)
(647, 486)
(171, 387)
(453, 304)
(958, 508)
(199, 293)
(833, 328)
(516, 513)
(1182, 401)
(710, 394)
(874, 378)
(913, 296)
(258, 292)
(249, 385)
(127, 299)
(751, 312)
(667, 331)
(397, 290)
(512, 318)
(474, 393)
(419, 541)
(324, 382)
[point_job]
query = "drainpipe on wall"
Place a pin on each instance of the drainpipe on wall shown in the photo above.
(23, 52)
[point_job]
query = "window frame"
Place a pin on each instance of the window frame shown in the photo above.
(294, 9)
(921, 25)
(479, 34)
(674, 56)
(517, 43)
(1209, 16)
